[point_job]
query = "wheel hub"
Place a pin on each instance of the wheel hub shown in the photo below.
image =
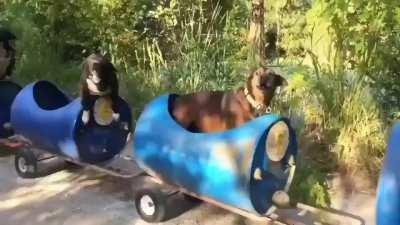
(22, 165)
(147, 205)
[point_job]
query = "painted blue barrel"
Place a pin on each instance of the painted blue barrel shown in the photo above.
(52, 122)
(217, 165)
(8, 91)
(388, 197)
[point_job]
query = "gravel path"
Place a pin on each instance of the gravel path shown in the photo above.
(85, 197)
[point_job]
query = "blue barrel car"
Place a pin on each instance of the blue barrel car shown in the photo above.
(388, 194)
(51, 121)
(241, 168)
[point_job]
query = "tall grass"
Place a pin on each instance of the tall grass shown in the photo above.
(204, 61)
(309, 186)
(203, 58)
(361, 140)
(341, 113)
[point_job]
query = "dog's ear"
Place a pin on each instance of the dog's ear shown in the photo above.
(95, 62)
(110, 67)
(258, 72)
(281, 81)
(254, 77)
(281, 84)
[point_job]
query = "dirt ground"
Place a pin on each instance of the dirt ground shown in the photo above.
(85, 197)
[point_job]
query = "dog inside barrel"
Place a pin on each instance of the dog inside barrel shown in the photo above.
(218, 111)
(7, 53)
(215, 111)
(99, 90)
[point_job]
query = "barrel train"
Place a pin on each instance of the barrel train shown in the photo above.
(246, 169)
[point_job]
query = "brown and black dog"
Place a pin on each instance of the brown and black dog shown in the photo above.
(218, 111)
(98, 79)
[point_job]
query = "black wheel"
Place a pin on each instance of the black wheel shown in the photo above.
(26, 164)
(151, 205)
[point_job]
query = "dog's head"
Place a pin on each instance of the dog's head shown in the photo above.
(7, 53)
(98, 74)
(262, 84)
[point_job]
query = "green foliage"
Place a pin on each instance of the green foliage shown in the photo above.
(118, 27)
(205, 61)
(342, 112)
(35, 58)
(364, 37)
(352, 90)
(286, 22)
(142, 37)
(309, 186)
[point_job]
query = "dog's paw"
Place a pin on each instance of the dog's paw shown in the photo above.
(85, 117)
(281, 199)
(257, 174)
(115, 116)
(124, 126)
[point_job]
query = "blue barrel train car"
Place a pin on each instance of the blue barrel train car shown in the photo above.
(388, 194)
(241, 168)
(8, 92)
(52, 122)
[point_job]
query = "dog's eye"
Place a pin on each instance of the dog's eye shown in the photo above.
(263, 86)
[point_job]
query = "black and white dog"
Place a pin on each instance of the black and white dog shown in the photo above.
(7, 53)
(99, 80)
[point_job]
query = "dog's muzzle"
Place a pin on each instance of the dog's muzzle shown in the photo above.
(94, 90)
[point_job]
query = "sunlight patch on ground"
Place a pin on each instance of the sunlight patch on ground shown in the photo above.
(64, 183)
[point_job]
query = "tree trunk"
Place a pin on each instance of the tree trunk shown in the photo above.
(255, 37)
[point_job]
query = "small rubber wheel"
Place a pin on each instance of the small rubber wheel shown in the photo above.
(26, 164)
(151, 205)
